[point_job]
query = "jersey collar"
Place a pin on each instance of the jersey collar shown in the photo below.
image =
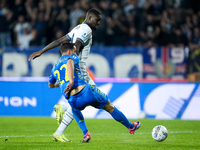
(85, 23)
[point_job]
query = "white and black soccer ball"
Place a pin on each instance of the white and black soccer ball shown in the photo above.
(159, 133)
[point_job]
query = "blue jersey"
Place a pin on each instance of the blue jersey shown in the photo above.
(59, 72)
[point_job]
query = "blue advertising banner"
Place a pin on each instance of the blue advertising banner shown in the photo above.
(104, 62)
(115, 61)
(135, 100)
(118, 62)
(27, 98)
(122, 61)
(1, 65)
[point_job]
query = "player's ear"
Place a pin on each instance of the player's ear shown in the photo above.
(90, 18)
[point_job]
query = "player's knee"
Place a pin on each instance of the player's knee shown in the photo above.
(109, 107)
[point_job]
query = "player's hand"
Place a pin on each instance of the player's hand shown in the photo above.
(34, 55)
(57, 84)
(68, 88)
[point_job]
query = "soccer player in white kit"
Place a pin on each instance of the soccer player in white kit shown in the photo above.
(81, 35)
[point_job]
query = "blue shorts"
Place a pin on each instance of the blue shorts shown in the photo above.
(89, 96)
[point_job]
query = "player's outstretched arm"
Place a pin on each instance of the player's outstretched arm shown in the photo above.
(48, 47)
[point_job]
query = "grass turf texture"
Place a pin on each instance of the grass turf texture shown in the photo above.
(22, 133)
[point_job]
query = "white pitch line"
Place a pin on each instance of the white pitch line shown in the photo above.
(141, 133)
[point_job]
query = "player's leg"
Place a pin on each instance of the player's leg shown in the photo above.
(78, 102)
(59, 113)
(81, 122)
(120, 117)
(115, 113)
(101, 101)
(65, 121)
(63, 110)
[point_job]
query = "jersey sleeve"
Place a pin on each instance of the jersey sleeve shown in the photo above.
(52, 78)
(81, 33)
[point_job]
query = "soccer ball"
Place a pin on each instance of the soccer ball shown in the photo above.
(159, 133)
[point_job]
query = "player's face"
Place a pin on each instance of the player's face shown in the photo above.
(95, 21)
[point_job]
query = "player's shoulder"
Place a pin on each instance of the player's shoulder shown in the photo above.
(84, 27)
(74, 57)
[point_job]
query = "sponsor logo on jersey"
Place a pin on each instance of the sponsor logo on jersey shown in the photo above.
(84, 35)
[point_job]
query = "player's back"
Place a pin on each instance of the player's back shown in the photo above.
(60, 72)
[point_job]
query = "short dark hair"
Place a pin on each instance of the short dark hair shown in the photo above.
(93, 12)
(65, 46)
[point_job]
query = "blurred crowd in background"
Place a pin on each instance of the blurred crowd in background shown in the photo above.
(25, 23)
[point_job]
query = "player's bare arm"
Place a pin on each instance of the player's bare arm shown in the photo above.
(48, 47)
(70, 71)
(79, 46)
(51, 85)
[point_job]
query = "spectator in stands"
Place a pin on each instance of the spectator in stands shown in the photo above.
(143, 39)
(3, 4)
(19, 27)
(116, 10)
(31, 9)
(61, 4)
(41, 27)
(18, 9)
(188, 22)
(100, 34)
(195, 20)
(44, 7)
(147, 5)
(119, 16)
(62, 22)
(165, 30)
(179, 39)
(141, 3)
(129, 6)
(165, 21)
(196, 36)
(105, 8)
(24, 39)
(195, 40)
(172, 15)
(114, 33)
(155, 10)
(5, 18)
(152, 30)
(51, 22)
(130, 20)
(75, 14)
(132, 38)
(85, 5)
(58, 34)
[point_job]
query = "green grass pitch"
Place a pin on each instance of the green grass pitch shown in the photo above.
(24, 133)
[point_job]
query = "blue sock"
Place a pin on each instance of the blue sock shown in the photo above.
(120, 117)
(80, 120)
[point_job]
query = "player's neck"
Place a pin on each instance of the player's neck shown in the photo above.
(66, 53)
(85, 22)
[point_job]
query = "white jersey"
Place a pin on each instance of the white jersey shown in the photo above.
(83, 33)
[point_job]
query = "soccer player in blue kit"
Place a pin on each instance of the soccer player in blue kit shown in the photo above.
(81, 94)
